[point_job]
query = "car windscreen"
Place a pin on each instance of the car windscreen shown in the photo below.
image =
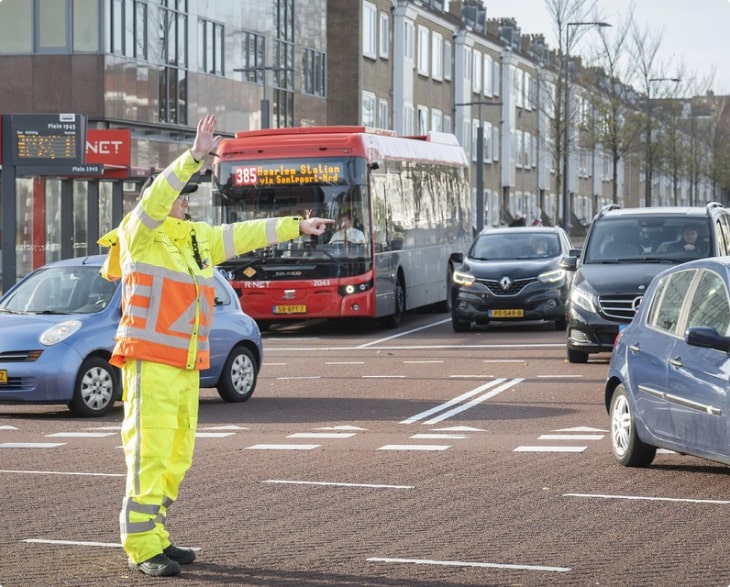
(61, 290)
(660, 238)
(517, 245)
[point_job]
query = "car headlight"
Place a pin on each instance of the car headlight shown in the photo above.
(554, 276)
(60, 332)
(583, 299)
(461, 278)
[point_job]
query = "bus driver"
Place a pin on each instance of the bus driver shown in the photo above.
(347, 234)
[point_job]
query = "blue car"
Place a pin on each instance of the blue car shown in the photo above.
(58, 325)
(668, 384)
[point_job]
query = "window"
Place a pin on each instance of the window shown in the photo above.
(252, 46)
(52, 26)
(409, 43)
(476, 77)
(383, 109)
(467, 65)
(667, 301)
(408, 114)
(384, 46)
(283, 102)
(437, 56)
(314, 65)
(368, 109)
(447, 124)
(210, 47)
(422, 120)
(368, 30)
(447, 60)
(172, 34)
(423, 47)
(436, 120)
(709, 305)
(488, 85)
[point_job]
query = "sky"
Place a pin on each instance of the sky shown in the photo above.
(693, 32)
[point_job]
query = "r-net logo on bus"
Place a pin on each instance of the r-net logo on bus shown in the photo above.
(283, 174)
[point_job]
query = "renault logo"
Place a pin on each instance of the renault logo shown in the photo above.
(289, 294)
(505, 283)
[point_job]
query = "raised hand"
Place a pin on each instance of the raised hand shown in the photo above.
(205, 140)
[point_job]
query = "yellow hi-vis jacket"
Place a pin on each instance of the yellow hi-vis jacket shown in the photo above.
(167, 296)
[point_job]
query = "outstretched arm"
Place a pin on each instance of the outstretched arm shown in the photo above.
(315, 226)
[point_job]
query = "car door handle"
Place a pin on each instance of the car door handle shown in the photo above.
(675, 362)
(634, 348)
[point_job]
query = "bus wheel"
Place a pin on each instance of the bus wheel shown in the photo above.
(396, 318)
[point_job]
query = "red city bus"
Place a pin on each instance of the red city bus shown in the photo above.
(402, 205)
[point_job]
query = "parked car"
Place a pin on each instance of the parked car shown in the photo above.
(623, 250)
(511, 273)
(667, 384)
(58, 326)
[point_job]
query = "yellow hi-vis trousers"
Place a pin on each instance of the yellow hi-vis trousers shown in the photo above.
(158, 434)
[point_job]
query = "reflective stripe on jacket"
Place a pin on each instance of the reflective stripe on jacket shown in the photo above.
(167, 297)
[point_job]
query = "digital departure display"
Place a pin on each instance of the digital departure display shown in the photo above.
(279, 174)
(48, 139)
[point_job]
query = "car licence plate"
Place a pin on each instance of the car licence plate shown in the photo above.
(3, 376)
(506, 313)
(293, 309)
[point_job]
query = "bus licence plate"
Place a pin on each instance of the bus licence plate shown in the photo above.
(3, 376)
(506, 313)
(294, 309)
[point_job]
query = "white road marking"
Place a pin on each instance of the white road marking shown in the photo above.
(571, 437)
(474, 402)
(645, 498)
(480, 376)
(31, 444)
(81, 543)
(581, 429)
(80, 434)
(8, 428)
(439, 436)
(284, 446)
(406, 333)
(550, 448)
(70, 473)
(422, 362)
(299, 377)
(345, 427)
(115, 428)
(344, 362)
(322, 435)
(213, 434)
(418, 561)
(338, 484)
(273, 364)
(460, 429)
(452, 402)
(426, 447)
(228, 427)
(383, 376)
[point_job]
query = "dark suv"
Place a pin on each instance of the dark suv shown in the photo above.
(624, 249)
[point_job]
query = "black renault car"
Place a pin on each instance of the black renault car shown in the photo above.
(511, 274)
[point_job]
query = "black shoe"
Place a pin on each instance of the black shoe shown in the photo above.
(181, 555)
(157, 566)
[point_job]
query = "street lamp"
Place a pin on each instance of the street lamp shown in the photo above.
(566, 130)
(649, 151)
(480, 160)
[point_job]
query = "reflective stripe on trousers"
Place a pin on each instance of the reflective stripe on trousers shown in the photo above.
(158, 434)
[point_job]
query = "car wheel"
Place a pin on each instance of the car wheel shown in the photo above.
(561, 324)
(627, 447)
(396, 318)
(238, 380)
(577, 356)
(460, 325)
(96, 388)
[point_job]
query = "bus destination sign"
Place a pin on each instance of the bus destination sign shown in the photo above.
(48, 139)
(288, 174)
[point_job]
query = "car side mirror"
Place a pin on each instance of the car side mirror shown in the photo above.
(569, 263)
(457, 257)
(706, 337)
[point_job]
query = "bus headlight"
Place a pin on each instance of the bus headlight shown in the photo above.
(354, 288)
